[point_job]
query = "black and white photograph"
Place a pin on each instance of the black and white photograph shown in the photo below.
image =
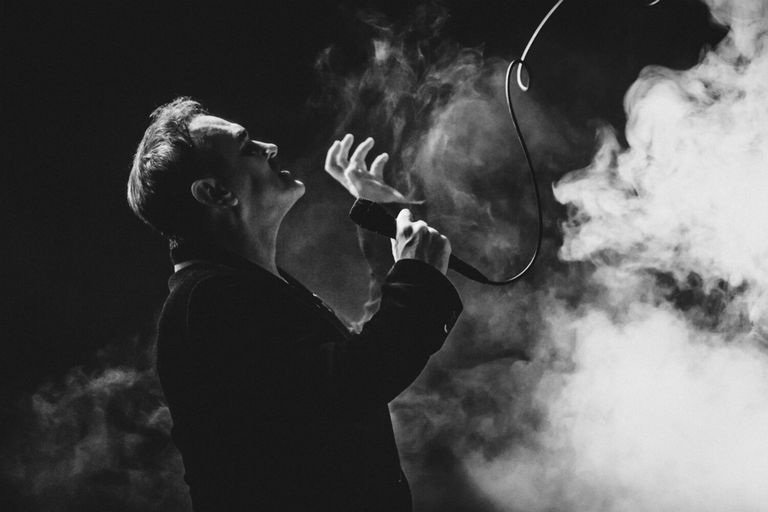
(384, 256)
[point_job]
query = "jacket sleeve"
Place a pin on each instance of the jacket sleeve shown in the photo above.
(251, 340)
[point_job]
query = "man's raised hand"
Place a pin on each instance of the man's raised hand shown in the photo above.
(353, 173)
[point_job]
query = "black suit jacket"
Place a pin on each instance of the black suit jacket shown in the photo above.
(276, 405)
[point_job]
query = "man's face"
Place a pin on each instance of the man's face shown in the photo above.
(250, 172)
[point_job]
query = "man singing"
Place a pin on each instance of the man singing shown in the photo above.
(276, 404)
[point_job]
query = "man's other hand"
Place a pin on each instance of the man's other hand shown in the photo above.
(416, 240)
(354, 175)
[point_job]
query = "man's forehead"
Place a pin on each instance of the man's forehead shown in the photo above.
(209, 130)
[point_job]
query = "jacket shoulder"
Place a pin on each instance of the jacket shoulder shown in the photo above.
(203, 284)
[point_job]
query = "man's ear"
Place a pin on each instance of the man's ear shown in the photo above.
(210, 192)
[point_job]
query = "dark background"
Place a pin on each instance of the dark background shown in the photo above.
(80, 273)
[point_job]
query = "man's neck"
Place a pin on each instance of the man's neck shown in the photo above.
(261, 250)
(257, 246)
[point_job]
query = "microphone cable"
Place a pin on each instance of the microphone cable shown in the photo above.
(521, 64)
(373, 217)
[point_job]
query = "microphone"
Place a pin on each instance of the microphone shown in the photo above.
(373, 217)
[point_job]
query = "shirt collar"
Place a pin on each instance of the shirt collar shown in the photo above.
(192, 250)
(195, 251)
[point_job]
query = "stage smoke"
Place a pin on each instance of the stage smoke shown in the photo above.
(655, 390)
(98, 439)
(628, 374)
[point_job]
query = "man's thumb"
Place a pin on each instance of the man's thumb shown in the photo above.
(405, 214)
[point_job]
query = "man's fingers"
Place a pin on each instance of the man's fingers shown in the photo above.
(405, 215)
(377, 167)
(446, 242)
(332, 155)
(418, 240)
(343, 157)
(331, 167)
(353, 173)
(358, 157)
(420, 225)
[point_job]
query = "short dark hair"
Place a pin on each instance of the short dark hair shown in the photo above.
(165, 165)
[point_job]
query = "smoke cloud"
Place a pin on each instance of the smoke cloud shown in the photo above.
(629, 374)
(439, 109)
(653, 395)
(98, 439)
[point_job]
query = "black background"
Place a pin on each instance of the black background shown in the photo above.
(79, 271)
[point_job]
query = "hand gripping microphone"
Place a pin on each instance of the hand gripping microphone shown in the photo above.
(374, 217)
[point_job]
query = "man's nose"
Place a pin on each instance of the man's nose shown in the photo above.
(269, 149)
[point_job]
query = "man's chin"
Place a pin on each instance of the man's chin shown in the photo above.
(287, 178)
(290, 181)
(295, 188)
(300, 187)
